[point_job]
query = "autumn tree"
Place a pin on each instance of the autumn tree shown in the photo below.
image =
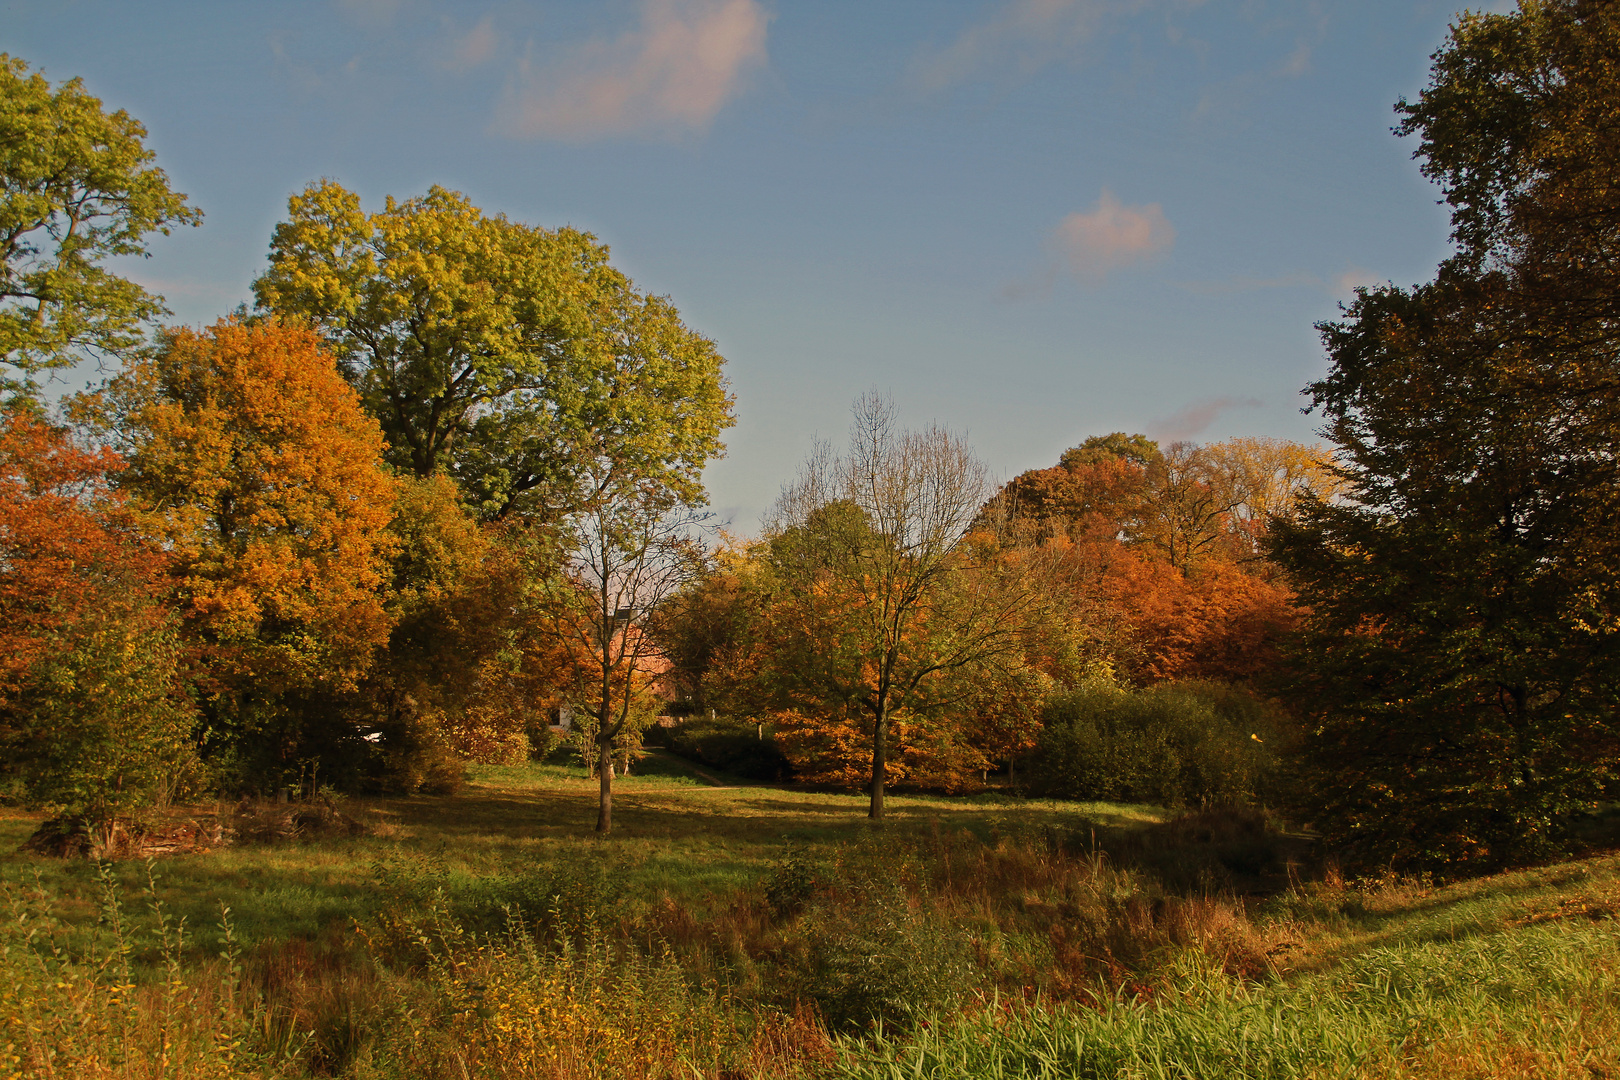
(1222, 620)
(1097, 491)
(1186, 516)
(1459, 674)
(1156, 552)
(707, 631)
(465, 674)
(506, 355)
(77, 187)
(868, 550)
(1269, 479)
(254, 462)
(94, 719)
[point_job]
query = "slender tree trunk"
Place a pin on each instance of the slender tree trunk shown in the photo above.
(880, 746)
(604, 744)
(604, 805)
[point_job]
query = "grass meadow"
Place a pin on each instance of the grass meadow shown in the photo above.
(730, 931)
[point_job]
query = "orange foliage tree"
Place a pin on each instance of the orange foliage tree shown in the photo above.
(92, 718)
(1157, 551)
(251, 457)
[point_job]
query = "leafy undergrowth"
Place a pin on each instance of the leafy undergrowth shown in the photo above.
(1005, 940)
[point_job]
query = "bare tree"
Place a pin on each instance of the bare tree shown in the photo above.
(912, 496)
(1191, 495)
(634, 546)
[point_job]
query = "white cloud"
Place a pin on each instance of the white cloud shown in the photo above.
(1298, 62)
(674, 72)
(1112, 235)
(473, 48)
(1023, 35)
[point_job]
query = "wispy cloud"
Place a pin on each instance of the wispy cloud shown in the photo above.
(1234, 94)
(672, 73)
(1297, 63)
(1352, 278)
(1195, 418)
(1021, 37)
(474, 48)
(1090, 244)
(1112, 235)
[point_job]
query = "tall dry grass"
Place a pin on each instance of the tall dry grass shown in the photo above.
(1030, 954)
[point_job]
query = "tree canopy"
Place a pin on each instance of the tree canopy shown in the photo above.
(77, 186)
(867, 552)
(1459, 672)
(253, 461)
(512, 357)
(93, 717)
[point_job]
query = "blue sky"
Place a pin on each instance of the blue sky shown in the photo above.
(1029, 220)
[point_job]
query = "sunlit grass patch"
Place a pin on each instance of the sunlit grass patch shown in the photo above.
(1537, 1001)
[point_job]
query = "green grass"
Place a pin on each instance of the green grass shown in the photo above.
(1534, 1000)
(673, 835)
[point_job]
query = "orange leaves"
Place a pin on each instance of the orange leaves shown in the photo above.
(253, 459)
(1216, 622)
(62, 534)
(91, 716)
(1156, 553)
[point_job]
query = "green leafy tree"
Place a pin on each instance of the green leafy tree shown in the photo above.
(512, 357)
(1459, 673)
(77, 187)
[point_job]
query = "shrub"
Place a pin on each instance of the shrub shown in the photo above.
(487, 736)
(1171, 743)
(511, 1004)
(736, 747)
(417, 757)
(885, 959)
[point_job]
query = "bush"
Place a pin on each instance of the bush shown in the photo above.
(417, 757)
(881, 959)
(732, 746)
(1173, 743)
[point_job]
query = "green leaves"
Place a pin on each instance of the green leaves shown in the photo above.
(513, 357)
(76, 187)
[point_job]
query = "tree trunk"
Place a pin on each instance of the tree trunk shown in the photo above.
(880, 740)
(604, 805)
(604, 734)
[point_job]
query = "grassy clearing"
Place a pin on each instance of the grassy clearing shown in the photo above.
(744, 930)
(674, 837)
